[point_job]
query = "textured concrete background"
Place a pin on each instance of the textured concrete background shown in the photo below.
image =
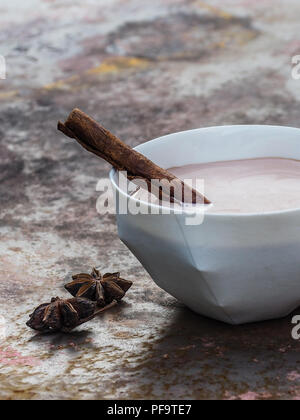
(144, 69)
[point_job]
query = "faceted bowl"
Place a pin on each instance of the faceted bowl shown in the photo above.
(235, 268)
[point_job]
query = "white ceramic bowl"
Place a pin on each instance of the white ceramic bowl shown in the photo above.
(236, 268)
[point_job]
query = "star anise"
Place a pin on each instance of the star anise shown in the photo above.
(98, 288)
(61, 314)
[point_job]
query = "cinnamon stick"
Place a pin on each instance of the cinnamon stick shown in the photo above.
(96, 139)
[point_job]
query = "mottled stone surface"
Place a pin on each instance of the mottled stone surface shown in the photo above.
(143, 69)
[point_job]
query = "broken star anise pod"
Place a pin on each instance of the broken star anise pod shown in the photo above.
(98, 288)
(61, 314)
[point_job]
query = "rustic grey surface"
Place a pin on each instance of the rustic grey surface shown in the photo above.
(143, 69)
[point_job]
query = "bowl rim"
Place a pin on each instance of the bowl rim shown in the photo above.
(206, 207)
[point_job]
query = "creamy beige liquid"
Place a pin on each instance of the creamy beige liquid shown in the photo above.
(247, 186)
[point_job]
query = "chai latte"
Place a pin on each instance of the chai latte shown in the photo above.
(249, 185)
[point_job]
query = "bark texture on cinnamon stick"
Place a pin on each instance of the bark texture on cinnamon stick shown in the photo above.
(98, 140)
